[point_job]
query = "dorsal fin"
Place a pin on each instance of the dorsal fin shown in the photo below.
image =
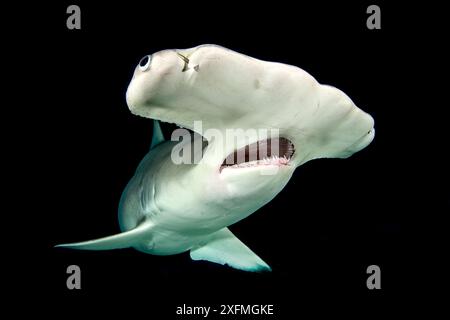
(157, 136)
(224, 247)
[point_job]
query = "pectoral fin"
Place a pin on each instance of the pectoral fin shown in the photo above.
(224, 247)
(118, 241)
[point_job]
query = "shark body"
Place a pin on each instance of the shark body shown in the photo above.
(169, 208)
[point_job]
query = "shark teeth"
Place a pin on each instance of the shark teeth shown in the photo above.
(267, 161)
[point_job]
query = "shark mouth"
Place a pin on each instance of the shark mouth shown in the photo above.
(272, 151)
(268, 152)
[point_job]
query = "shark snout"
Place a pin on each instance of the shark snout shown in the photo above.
(371, 131)
(364, 141)
(367, 136)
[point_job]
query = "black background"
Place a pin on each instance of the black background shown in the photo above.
(334, 218)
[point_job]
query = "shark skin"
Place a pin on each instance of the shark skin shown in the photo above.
(170, 208)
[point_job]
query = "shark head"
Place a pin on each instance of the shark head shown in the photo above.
(227, 90)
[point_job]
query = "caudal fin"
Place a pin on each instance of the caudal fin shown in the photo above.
(118, 241)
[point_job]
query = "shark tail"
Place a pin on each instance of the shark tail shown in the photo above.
(118, 241)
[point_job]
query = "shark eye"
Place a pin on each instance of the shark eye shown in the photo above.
(144, 64)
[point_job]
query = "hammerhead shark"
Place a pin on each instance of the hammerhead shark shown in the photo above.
(170, 207)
